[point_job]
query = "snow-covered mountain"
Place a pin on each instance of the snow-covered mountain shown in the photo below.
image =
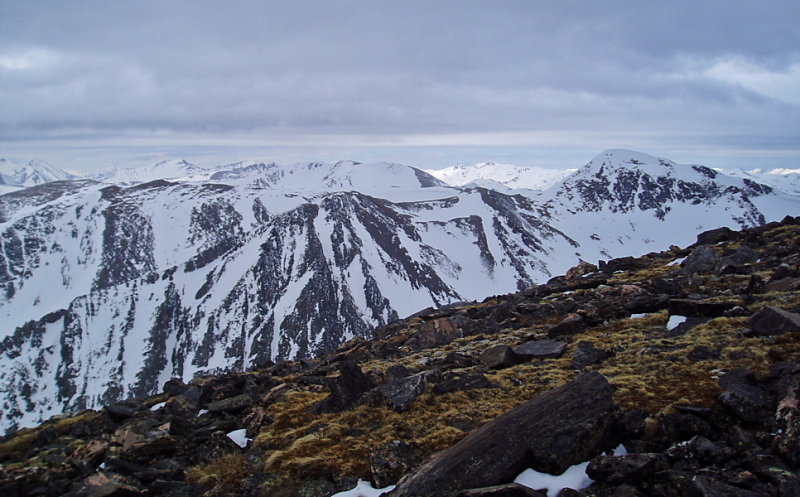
(785, 180)
(107, 291)
(177, 169)
(502, 177)
(35, 172)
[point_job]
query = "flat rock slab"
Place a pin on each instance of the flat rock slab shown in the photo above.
(549, 433)
(771, 321)
(541, 349)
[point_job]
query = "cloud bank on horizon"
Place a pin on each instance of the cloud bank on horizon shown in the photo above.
(91, 84)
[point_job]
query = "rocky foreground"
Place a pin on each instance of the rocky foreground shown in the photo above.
(690, 358)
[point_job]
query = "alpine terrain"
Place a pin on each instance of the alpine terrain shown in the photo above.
(111, 286)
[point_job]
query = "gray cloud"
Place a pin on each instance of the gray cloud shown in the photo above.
(378, 71)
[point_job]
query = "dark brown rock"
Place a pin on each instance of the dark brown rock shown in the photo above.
(723, 234)
(746, 400)
(569, 326)
(398, 395)
(233, 404)
(580, 270)
(647, 303)
(436, 332)
(392, 461)
(587, 354)
(618, 469)
(541, 349)
(783, 285)
(698, 308)
(701, 260)
(771, 321)
(346, 389)
(500, 356)
(506, 490)
(456, 382)
(549, 433)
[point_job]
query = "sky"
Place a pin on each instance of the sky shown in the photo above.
(90, 85)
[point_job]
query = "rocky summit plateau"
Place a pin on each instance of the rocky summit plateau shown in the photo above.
(675, 373)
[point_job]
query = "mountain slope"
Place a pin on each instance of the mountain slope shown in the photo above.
(108, 291)
(594, 358)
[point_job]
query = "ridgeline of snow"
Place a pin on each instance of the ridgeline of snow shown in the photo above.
(501, 177)
(785, 180)
(35, 172)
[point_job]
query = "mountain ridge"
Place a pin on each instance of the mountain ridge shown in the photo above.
(171, 278)
(683, 357)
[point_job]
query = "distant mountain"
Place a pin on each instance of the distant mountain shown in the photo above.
(177, 169)
(785, 180)
(108, 290)
(493, 174)
(35, 172)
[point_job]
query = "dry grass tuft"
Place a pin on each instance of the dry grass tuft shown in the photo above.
(229, 469)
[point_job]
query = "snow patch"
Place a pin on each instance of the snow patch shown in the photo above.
(364, 489)
(239, 437)
(675, 321)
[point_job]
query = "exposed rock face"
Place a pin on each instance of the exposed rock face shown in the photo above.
(549, 433)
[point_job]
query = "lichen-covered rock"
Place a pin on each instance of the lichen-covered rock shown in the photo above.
(549, 433)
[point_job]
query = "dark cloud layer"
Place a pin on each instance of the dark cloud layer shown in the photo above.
(669, 75)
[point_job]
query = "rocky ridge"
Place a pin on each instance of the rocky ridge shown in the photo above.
(685, 357)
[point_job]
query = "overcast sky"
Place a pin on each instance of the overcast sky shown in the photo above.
(92, 84)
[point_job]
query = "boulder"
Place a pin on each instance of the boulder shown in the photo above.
(399, 394)
(456, 382)
(233, 404)
(541, 349)
(788, 420)
(549, 433)
(435, 333)
(587, 354)
(698, 307)
(647, 303)
(771, 321)
(746, 400)
(723, 234)
(581, 269)
(569, 326)
(701, 260)
(346, 389)
(625, 468)
(500, 356)
(783, 285)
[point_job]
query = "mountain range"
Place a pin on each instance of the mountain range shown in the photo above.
(112, 285)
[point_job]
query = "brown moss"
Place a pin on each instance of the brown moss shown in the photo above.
(229, 469)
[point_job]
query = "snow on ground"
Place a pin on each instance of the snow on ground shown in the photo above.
(239, 437)
(574, 477)
(675, 321)
(364, 489)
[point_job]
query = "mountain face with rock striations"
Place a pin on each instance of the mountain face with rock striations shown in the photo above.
(109, 290)
(674, 373)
